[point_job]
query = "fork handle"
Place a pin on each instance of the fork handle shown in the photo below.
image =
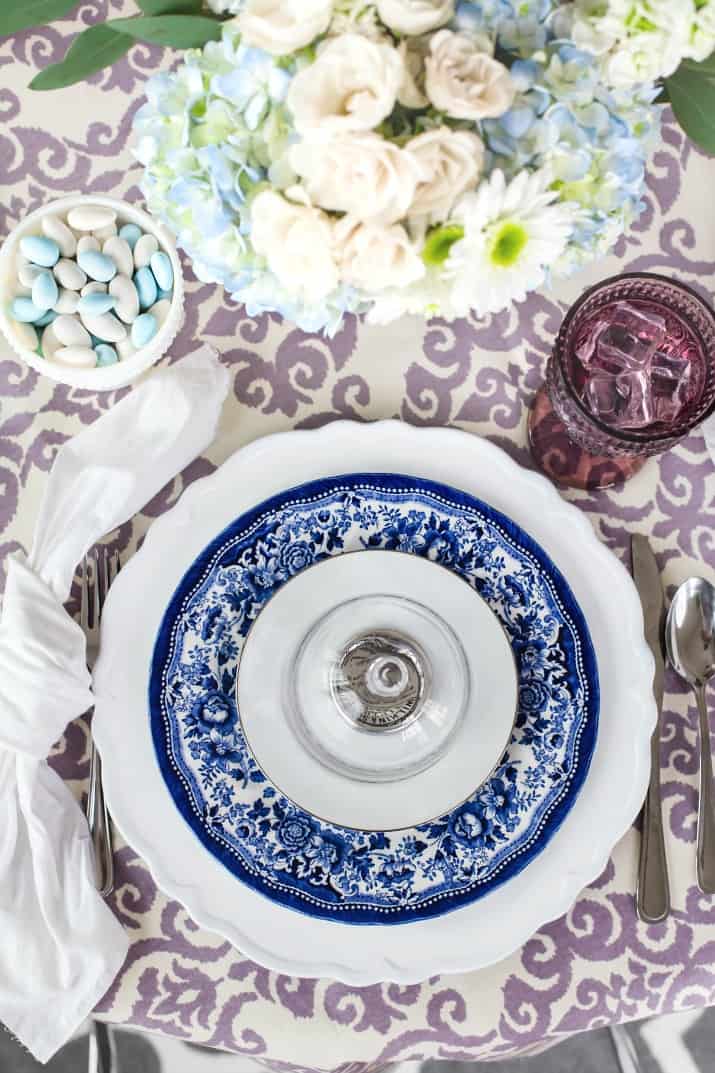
(100, 826)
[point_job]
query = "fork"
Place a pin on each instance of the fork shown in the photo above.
(98, 573)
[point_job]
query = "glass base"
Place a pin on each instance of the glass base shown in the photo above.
(363, 697)
(563, 461)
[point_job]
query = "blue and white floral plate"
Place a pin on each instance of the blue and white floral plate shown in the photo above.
(241, 856)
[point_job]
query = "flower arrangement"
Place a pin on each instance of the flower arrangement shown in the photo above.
(410, 156)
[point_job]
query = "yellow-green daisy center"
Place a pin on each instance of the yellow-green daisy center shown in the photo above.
(507, 244)
(439, 242)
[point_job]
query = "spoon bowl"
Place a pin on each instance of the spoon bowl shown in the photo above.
(690, 643)
(690, 631)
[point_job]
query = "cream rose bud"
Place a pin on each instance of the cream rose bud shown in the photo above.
(415, 16)
(297, 243)
(361, 174)
(376, 258)
(411, 93)
(452, 161)
(464, 82)
(283, 26)
(352, 85)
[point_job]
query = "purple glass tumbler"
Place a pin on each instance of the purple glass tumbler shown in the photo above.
(632, 372)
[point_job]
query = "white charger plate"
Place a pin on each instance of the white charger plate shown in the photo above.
(273, 934)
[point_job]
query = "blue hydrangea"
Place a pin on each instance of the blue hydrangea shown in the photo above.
(216, 131)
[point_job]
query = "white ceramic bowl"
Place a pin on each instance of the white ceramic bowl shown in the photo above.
(110, 377)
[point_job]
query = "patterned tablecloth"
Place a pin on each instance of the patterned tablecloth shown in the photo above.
(595, 966)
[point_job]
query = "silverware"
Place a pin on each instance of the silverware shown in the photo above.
(101, 1048)
(690, 637)
(98, 573)
(652, 891)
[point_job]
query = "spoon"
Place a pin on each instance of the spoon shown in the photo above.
(690, 641)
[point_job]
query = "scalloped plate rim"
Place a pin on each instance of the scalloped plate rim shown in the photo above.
(384, 438)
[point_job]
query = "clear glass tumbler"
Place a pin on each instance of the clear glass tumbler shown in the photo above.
(632, 372)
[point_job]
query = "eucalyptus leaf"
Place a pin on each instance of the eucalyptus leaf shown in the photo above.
(175, 31)
(691, 91)
(21, 14)
(170, 7)
(94, 48)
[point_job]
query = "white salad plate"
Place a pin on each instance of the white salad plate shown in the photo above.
(267, 875)
(384, 583)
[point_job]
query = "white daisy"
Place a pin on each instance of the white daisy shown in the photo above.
(502, 240)
(637, 40)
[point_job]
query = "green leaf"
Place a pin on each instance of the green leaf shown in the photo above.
(94, 48)
(170, 7)
(21, 14)
(691, 91)
(176, 31)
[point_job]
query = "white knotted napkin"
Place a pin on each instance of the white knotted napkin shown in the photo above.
(60, 945)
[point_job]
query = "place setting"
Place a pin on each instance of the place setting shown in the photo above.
(373, 702)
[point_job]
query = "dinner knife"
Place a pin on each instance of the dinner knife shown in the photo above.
(652, 891)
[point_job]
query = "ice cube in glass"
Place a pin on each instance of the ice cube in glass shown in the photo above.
(638, 409)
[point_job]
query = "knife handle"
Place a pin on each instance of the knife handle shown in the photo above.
(653, 890)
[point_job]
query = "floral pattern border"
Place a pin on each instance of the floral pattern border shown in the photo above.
(323, 869)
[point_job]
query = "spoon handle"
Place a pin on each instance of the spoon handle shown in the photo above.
(653, 890)
(706, 809)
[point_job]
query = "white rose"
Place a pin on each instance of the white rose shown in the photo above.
(414, 17)
(361, 174)
(453, 161)
(637, 61)
(412, 91)
(466, 83)
(357, 17)
(283, 26)
(352, 85)
(297, 243)
(376, 258)
(634, 49)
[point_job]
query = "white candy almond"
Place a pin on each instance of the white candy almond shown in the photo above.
(90, 217)
(106, 327)
(103, 233)
(58, 230)
(50, 342)
(79, 357)
(88, 242)
(25, 334)
(68, 274)
(70, 332)
(144, 248)
(121, 253)
(126, 349)
(160, 310)
(123, 289)
(67, 301)
(94, 287)
(27, 274)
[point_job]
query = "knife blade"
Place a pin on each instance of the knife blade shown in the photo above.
(652, 891)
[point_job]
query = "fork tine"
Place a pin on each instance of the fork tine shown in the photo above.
(114, 566)
(84, 596)
(103, 565)
(96, 601)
